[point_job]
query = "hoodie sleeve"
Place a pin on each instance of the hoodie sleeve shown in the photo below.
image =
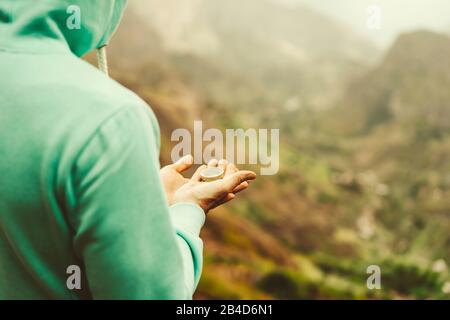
(132, 245)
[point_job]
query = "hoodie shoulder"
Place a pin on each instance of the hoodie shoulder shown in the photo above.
(61, 100)
(102, 93)
(97, 97)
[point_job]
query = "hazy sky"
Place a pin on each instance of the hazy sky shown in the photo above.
(396, 15)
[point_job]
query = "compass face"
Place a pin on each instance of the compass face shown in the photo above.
(211, 174)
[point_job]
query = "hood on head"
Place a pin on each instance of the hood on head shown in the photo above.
(24, 23)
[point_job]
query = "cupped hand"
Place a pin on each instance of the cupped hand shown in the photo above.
(209, 195)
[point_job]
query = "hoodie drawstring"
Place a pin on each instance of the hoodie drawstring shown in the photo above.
(101, 60)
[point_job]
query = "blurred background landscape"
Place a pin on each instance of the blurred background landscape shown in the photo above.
(364, 120)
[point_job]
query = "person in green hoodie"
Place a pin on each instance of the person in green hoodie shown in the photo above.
(80, 182)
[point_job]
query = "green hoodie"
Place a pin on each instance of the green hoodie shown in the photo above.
(79, 166)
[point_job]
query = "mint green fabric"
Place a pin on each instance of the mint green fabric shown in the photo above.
(79, 166)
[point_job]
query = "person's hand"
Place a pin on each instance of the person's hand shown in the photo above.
(171, 176)
(209, 195)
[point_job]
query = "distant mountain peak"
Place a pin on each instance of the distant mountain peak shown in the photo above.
(419, 46)
(409, 87)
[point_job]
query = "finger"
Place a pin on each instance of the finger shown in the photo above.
(231, 168)
(229, 183)
(228, 197)
(196, 176)
(223, 164)
(183, 163)
(212, 163)
(241, 187)
(219, 202)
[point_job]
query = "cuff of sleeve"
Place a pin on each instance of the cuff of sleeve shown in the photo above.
(187, 217)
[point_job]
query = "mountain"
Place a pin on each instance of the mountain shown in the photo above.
(410, 87)
(343, 197)
(394, 128)
(206, 27)
(301, 55)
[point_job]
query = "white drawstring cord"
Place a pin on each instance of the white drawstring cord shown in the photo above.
(101, 60)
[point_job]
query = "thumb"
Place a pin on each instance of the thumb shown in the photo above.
(229, 183)
(183, 163)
